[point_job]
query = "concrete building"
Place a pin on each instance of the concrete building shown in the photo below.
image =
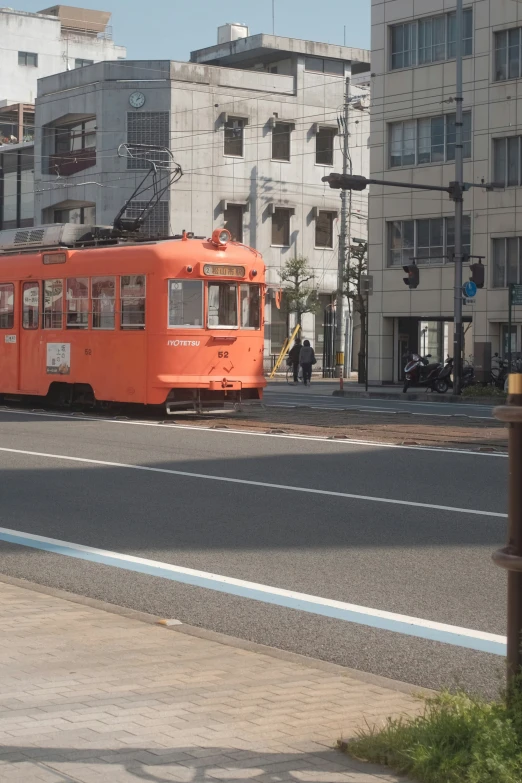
(253, 123)
(35, 45)
(412, 140)
(60, 38)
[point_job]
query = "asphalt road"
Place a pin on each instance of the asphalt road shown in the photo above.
(319, 395)
(430, 563)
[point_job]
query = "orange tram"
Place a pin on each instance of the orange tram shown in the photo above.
(176, 323)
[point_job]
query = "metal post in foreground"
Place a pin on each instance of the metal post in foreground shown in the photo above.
(341, 264)
(510, 557)
(510, 325)
(457, 197)
(367, 361)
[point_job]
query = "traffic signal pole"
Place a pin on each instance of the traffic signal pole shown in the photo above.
(341, 263)
(458, 189)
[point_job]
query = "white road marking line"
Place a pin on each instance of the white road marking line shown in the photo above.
(362, 615)
(379, 399)
(251, 483)
(231, 431)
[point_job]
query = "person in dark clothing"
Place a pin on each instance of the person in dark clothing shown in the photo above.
(306, 360)
(293, 358)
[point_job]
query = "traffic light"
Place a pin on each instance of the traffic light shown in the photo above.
(346, 181)
(477, 274)
(412, 281)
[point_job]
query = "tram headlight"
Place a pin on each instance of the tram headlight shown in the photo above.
(221, 237)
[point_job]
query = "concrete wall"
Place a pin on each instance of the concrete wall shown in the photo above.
(20, 31)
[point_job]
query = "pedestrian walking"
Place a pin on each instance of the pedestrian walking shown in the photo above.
(293, 358)
(306, 360)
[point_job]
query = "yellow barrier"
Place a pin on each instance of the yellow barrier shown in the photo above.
(284, 351)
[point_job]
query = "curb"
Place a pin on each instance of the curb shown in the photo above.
(219, 638)
(443, 398)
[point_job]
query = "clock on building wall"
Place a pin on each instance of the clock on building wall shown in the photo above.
(136, 100)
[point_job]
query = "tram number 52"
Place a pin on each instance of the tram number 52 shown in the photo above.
(222, 354)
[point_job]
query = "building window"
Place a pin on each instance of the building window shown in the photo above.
(281, 227)
(157, 223)
(74, 147)
(28, 58)
(507, 261)
(324, 224)
(77, 296)
(103, 298)
(53, 304)
(186, 303)
(324, 146)
(428, 241)
(430, 140)
(132, 289)
(147, 127)
(31, 302)
(507, 54)
(79, 136)
(506, 161)
(234, 221)
(318, 65)
(281, 141)
(429, 40)
(6, 305)
(234, 136)
(81, 216)
(79, 63)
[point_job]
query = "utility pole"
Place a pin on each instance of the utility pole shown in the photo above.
(458, 191)
(341, 263)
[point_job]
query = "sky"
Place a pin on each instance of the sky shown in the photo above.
(171, 29)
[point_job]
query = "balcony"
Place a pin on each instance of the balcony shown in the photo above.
(71, 162)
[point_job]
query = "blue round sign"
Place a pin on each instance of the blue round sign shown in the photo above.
(470, 289)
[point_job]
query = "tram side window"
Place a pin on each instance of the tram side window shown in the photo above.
(132, 288)
(222, 305)
(250, 306)
(77, 302)
(53, 304)
(103, 298)
(186, 303)
(6, 305)
(31, 306)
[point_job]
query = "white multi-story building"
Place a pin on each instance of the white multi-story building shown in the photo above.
(56, 39)
(34, 45)
(253, 124)
(413, 141)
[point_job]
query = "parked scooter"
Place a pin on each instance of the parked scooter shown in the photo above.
(468, 373)
(419, 372)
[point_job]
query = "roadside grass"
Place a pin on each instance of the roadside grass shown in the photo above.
(458, 739)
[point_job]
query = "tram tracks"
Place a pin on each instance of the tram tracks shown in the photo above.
(349, 424)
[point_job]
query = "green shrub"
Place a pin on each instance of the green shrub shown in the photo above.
(458, 739)
(484, 391)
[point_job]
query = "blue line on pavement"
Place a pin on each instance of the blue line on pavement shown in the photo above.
(410, 626)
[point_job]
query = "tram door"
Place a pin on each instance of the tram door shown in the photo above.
(8, 336)
(30, 336)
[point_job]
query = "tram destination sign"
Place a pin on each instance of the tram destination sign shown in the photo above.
(215, 270)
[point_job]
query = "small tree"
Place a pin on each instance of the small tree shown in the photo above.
(300, 298)
(356, 268)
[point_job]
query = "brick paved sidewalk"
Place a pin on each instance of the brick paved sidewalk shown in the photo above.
(88, 695)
